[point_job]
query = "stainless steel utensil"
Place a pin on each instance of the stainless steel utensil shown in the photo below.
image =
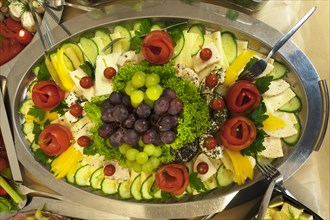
(58, 5)
(257, 68)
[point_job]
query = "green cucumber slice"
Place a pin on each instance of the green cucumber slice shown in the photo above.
(292, 140)
(27, 129)
(83, 175)
(97, 178)
(224, 177)
(294, 105)
(25, 106)
(109, 186)
(279, 71)
(125, 43)
(179, 44)
(229, 46)
(136, 188)
(146, 187)
(124, 190)
(74, 53)
(70, 177)
(90, 49)
(200, 30)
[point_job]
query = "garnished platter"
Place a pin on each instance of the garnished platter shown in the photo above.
(137, 179)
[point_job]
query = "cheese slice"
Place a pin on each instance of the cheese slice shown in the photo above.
(273, 147)
(276, 87)
(289, 130)
(81, 127)
(211, 171)
(200, 64)
(185, 56)
(275, 102)
(76, 76)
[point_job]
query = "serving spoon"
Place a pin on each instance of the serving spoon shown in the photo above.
(58, 5)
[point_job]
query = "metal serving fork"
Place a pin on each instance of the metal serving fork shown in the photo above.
(258, 67)
(275, 178)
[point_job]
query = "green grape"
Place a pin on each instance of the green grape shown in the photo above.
(152, 80)
(158, 152)
(138, 79)
(148, 101)
(142, 157)
(131, 154)
(137, 97)
(154, 92)
(124, 147)
(147, 167)
(129, 163)
(154, 161)
(107, 142)
(129, 88)
(137, 167)
(141, 144)
(149, 149)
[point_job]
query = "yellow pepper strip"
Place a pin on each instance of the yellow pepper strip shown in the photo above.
(70, 164)
(237, 65)
(241, 165)
(273, 123)
(52, 71)
(60, 160)
(51, 116)
(63, 73)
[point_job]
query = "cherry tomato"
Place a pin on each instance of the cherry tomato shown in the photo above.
(86, 82)
(84, 141)
(12, 24)
(109, 170)
(205, 54)
(157, 47)
(46, 95)
(202, 167)
(217, 103)
(3, 164)
(210, 143)
(242, 96)
(109, 72)
(237, 133)
(24, 37)
(76, 110)
(55, 139)
(2, 192)
(172, 178)
(211, 80)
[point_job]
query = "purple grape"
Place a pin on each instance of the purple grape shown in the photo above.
(154, 118)
(150, 136)
(176, 107)
(107, 115)
(105, 130)
(170, 93)
(130, 120)
(143, 110)
(165, 123)
(117, 138)
(126, 100)
(175, 120)
(157, 141)
(167, 137)
(120, 113)
(142, 125)
(161, 105)
(107, 104)
(131, 137)
(115, 98)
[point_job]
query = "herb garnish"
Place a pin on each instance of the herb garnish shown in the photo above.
(196, 183)
(37, 113)
(136, 41)
(263, 83)
(61, 108)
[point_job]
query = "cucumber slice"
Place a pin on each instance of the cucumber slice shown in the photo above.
(224, 177)
(229, 46)
(125, 43)
(29, 91)
(68, 63)
(109, 186)
(83, 175)
(198, 29)
(74, 53)
(294, 105)
(136, 188)
(292, 140)
(25, 106)
(211, 183)
(90, 49)
(146, 187)
(157, 26)
(70, 176)
(27, 129)
(279, 71)
(158, 194)
(124, 190)
(179, 44)
(97, 178)
(105, 38)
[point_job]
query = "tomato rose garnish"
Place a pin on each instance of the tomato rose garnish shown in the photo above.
(46, 95)
(172, 178)
(55, 139)
(157, 47)
(242, 96)
(237, 133)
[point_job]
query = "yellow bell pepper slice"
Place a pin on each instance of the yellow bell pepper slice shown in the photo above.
(237, 65)
(51, 116)
(60, 160)
(63, 73)
(52, 71)
(273, 123)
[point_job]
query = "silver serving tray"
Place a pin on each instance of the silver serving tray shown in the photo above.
(304, 79)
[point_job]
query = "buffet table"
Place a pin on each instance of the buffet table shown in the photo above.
(310, 184)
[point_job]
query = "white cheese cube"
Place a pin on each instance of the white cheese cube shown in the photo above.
(81, 127)
(130, 56)
(273, 147)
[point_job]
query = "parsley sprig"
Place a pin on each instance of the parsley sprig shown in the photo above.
(196, 183)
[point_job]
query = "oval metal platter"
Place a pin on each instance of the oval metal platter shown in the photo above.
(304, 79)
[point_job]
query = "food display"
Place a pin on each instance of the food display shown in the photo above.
(158, 115)
(16, 27)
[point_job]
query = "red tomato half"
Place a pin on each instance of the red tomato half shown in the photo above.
(46, 95)
(55, 139)
(157, 47)
(242, 96)
(238, 133)
(172, 178)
